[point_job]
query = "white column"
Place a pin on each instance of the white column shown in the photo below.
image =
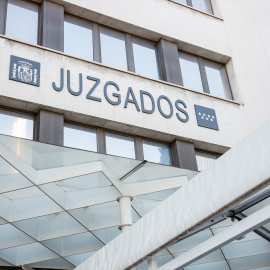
(152, 263)
(125, 212)
(26, 267)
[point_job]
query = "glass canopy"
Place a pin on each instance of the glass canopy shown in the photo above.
(59, 204)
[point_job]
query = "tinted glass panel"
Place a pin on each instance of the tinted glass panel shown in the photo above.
(181, 1)
(217, 79)
(203, 5)
(113, 48)
(22, 21)
(80, 137)
(78, 37)
(190, 71)
(145, 58)
(157, 152)
(15, 124)
(120, 145)
(204, 160)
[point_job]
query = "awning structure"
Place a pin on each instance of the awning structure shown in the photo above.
(236, 186)
(59, 205)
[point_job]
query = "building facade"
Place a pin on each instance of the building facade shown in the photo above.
(173, 82)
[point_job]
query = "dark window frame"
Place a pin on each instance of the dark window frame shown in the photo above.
(146, 41)
(23, 112)
(38, 20)
(190, 4)
(203, 75)
(128, 45)
(138, 140)
(79, 22)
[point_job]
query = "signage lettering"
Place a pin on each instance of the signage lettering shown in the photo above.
(115, 97)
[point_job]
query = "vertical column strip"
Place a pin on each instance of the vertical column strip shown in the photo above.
(96, 43)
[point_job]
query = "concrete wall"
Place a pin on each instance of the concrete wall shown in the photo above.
(246, 24)
(115, 117)
(240, 39)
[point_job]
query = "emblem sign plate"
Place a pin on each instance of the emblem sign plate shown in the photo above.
(206, 117)
(24, 70)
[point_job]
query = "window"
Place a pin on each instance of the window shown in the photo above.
(190, 71)
(78, 39)
(22, 21)
(80, 137)
(204, 75)
(113, 48)
(119, 145)
(145, 58)
(184, 2)
(110, 47)
(204, 160)
(203, 5)
(16, 124)
(157, 152)
(217, 79)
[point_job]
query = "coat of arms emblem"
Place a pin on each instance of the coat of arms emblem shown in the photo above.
(24, 70)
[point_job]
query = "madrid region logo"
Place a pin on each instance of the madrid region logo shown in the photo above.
(206, 117)
(23, 70)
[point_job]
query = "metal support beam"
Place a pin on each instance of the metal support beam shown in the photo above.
(262, 231)
(171, 220)
(225, 237)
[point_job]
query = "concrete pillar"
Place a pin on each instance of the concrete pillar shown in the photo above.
(184, 155)
(52, 25)
(3, 11)
(169, 62)
(152, 263)
(125, 212)
(49, 127)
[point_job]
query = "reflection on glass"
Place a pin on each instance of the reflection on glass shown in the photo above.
(246, 248)
(145, 203)
(145, 58)
(157, 152)
(108, 234)
(221, 265)
(164, 259)
(113, 48)
(80, 137)
(182, 1)
(22, 21)
(78, 37)
(190, 71)
(120, 145)
(255, 262)
(17, 125)
(217, 80)
(203, 5)
(79, 258)
(204, 160)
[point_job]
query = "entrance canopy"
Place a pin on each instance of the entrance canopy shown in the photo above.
(233, 187)
(58, 205)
